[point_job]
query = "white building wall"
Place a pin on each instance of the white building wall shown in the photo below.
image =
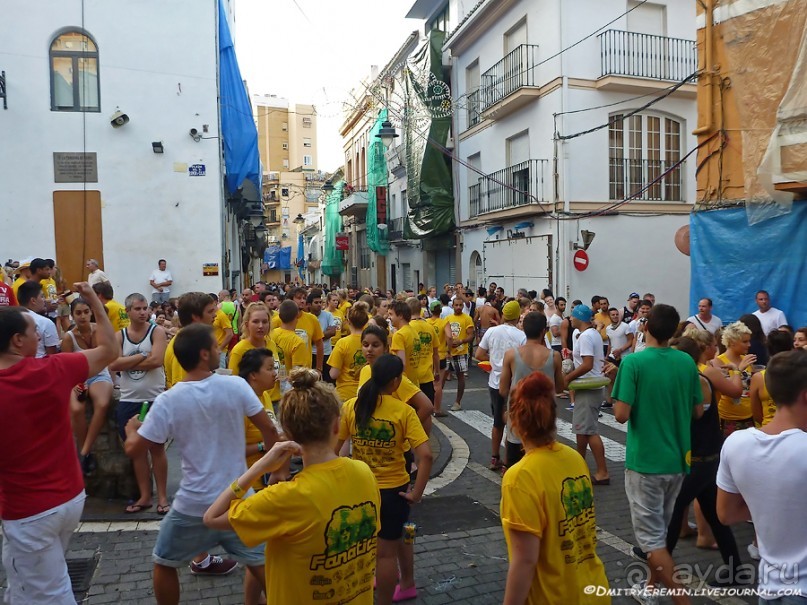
(160, 69)
(626, 252)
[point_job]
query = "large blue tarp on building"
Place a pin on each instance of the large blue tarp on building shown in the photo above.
(732, 260)
(238, 132)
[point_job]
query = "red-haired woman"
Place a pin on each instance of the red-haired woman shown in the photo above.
(547, 505)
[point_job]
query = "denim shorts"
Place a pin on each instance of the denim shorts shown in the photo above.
(651, 499)
(182, 537)
(102, 376)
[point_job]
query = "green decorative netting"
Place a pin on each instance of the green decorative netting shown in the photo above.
(377, 239)
(332, 258)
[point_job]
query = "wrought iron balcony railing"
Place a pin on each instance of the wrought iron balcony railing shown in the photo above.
(633, 178)
(520, 185)
(646, 56)
(516, 70)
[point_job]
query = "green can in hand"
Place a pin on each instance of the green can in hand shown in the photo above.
(143, 411)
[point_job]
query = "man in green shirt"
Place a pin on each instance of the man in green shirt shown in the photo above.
(657, 392)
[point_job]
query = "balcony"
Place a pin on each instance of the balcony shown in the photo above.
(632, 55)
(396, 160)
(524, 185)
(474, 108)
(396, 229)
(646, 180)
(354, 205)
(511, 83)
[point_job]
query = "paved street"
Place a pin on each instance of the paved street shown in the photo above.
(460, 551)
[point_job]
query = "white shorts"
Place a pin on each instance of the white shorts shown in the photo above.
(33, 555)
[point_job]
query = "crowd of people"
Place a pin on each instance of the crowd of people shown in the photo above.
(302, 415)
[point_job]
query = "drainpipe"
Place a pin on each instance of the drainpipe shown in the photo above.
(707, 70)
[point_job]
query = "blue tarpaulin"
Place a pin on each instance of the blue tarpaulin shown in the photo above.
(285, 258)
(271, 256)
(731, 261)
(239, 135)
(300, 255)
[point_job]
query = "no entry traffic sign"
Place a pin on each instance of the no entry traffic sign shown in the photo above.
(581, 260)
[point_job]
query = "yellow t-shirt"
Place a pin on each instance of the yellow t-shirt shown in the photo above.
(49, 290)
(117, 315)
(735, 409)
(291, 349)
(237, 353)
(220, 324)
(347, 356)
(424, 333)
(406, 339)
(548, 494)
(341, 324)
(253, 435)
(320, 533)
(459, 329)
(344, 306)
(768, 405)
(173, 371)
(308, 329)
(605, 319)
(382, 443)
(439, 326)
(405, 392)
(16, 285)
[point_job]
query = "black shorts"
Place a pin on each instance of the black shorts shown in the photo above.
(428, 390)
(394, 513)
(513, 453)
(443, 364)
(497, 405)
(125, 410)
(558, 348)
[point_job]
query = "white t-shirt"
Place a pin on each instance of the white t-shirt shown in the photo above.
(159, 277)
(555, 321)
(497, 341)
(771, 319)
(97, 277)
(326, 320)
(711, 326)
(206, 420)
(618, 336)
(46, 330)
(640, 344)
(589, 344)
(768, 471)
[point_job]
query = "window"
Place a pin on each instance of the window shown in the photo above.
(306, 142)
(439, 21)
(284, 127)
(284, 191)
(472, 84)
(306, 122)
(286, 163)
(308, 160)
(74, 84)
(285, 145)
(364, 251)
(643, 151)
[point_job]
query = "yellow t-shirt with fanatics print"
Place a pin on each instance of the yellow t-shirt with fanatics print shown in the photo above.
(291, 349)
(382, 443)
(348, 358)
(424, 332)
(548, 494)
(459, 330)
(406, 390)
(320, 533)
(117, 315)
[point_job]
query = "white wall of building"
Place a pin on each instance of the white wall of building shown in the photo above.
(157, 62)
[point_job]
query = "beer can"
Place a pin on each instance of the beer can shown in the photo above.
(410, 529)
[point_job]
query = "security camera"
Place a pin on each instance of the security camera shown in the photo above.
(195, 135)
(118, 119)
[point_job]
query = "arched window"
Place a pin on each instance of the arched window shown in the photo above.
(74, 83)
(642, 152)
(475, 273)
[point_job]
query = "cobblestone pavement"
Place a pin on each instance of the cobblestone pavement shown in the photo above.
(460, 551)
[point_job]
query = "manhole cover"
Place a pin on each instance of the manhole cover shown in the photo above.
(446, 514)
(80, 571)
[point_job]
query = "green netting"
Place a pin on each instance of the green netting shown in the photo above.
(377, 239)
(332, 258)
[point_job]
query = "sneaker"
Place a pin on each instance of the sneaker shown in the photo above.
(606, 405)
(638, 554)
(218, 566)
(753, 551)
(639, 594)
(456, 407)
(495, 463)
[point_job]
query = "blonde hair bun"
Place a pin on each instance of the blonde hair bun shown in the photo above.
(303, 378)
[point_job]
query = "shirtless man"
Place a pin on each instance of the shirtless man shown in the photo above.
(486, 317)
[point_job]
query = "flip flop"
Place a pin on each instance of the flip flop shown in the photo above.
(163, 509)
(441, 414)
(595, 481)
(136, 508)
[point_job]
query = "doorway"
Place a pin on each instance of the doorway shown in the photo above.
(78, 232)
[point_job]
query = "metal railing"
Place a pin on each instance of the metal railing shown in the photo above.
(515, 71)
(396, 227)
(474, 108)
(634, 177)
(520, 185)
(647, 56)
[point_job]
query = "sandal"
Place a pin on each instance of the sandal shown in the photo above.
(163, 509)
(137, 508)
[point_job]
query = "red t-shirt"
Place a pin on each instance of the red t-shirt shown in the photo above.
(7, 298)
(39, 467)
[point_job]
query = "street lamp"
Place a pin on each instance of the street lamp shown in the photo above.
(328, 187)
(255, 213)
(260, 233)
(387, 133)
(299, 220)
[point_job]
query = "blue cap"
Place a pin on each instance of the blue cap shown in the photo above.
(582, 312)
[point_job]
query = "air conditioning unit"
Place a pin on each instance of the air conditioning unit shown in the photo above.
(272, 239)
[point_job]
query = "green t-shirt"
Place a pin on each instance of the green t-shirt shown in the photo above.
(661, 386)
